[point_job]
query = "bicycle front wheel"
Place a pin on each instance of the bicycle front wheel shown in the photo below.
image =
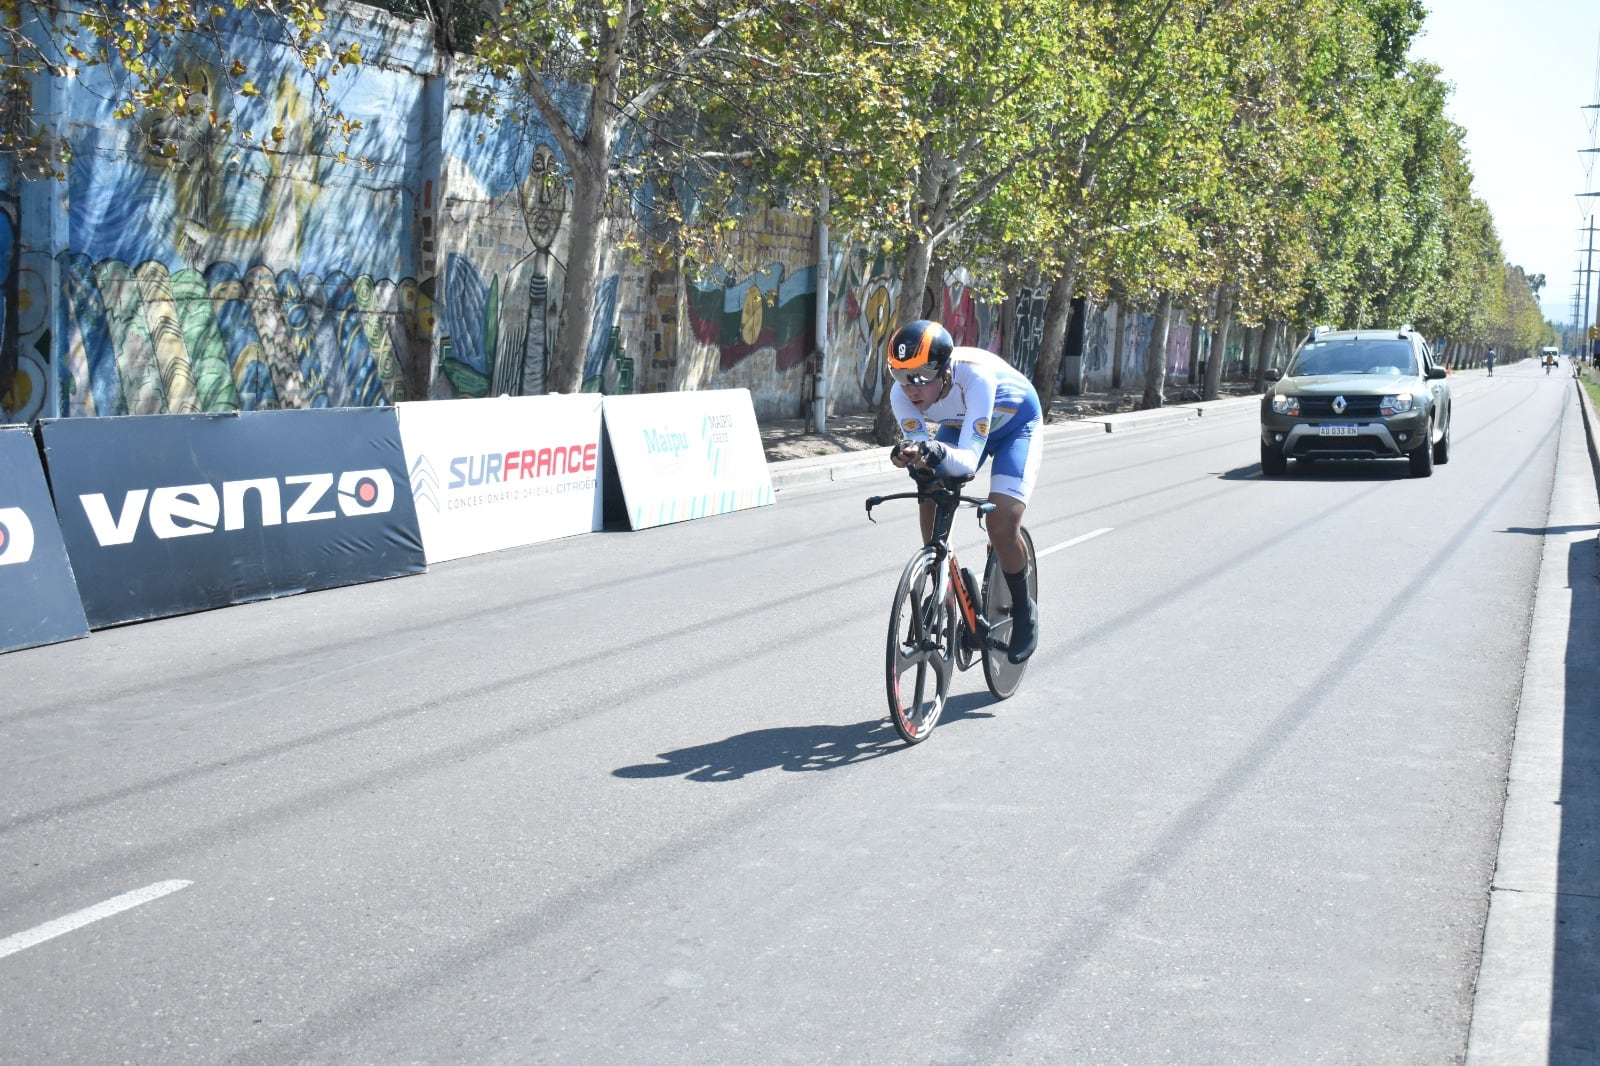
(999, 672)
(921, 649)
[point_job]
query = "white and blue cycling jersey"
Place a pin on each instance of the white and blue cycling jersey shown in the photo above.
(990, 411)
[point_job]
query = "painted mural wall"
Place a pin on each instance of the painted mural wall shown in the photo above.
(243, 279)
(1099, 346)
(237, 279)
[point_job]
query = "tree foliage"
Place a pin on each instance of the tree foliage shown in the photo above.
(1282, 160)
(175, 70)
(649, 102)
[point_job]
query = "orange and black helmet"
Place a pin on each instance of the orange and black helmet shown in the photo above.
(919, 352)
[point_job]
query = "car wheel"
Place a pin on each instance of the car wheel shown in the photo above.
(1441, 450)
(1273, 464)
(1422, 456)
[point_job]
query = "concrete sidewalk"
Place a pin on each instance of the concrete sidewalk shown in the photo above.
(848, 451)
(1538, 992)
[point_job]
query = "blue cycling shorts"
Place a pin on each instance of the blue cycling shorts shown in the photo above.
(1016, 458)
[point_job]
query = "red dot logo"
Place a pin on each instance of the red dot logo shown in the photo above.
(365, 492)
(5, 538)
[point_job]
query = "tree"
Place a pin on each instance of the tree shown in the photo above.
(623, 88)
(1458, 299)
(914, 115)
(166, 54)
(1121, 188)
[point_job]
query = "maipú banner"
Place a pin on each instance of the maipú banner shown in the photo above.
(683, 455)
(38, 598)
(165, 514)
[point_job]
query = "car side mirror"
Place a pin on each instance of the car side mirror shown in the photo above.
(1437, 372)
(1273, 374)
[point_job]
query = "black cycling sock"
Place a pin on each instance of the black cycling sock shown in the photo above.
(1024, 628)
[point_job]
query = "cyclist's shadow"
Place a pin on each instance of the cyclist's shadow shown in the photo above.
(796, 748)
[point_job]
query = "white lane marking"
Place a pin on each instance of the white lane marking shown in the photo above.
(78, 919)
(1071, 543)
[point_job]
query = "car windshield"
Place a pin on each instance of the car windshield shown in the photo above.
(1354, 355)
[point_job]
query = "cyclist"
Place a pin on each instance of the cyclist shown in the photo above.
(958, 407)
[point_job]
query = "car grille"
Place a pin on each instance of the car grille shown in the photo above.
(1363, 446)
(1322, 407)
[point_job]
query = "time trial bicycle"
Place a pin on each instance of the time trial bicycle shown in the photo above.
(943, 620)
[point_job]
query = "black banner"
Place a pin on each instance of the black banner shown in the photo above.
(38, 599)
(165, 514)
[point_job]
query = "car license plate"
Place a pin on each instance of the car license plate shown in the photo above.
(1336, 431)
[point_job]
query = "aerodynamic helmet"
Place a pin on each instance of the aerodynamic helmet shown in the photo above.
(919, 352)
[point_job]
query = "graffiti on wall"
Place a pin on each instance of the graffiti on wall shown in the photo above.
(248, 280)
(862, 305)
(971, 322)
(1099, 324)
(752, 325)
(1099, 347)
(1027, 328)
(861, 317)
(140, 339)
(12, 383)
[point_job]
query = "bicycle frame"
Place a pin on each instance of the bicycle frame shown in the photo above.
(946, 501)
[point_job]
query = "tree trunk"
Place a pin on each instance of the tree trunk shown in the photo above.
(576, 325)
(1057, 316)
(908, 307)
(1266, 352)
(1219, 347)
(1155, 357)
(1196, 335)
(932, 304)
(1116, 344)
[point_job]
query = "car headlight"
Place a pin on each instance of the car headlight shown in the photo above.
(1286, 405)
(1395, 405)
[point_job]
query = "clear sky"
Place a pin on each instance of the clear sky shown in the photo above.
(1523, 71)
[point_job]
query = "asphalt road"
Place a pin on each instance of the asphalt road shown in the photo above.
(632, 797)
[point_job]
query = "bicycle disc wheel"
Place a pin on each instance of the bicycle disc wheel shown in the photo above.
(920, 659)
(999, 672)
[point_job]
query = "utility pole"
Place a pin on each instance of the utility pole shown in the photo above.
(1586, 345)
(1586, 270)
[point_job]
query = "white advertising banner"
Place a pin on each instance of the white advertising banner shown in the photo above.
(683, 455)
(503, 471)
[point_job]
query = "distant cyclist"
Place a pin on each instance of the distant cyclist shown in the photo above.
(957, 408)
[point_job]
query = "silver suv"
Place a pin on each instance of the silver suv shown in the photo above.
(1358, 394)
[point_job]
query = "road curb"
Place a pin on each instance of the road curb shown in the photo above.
(1591, 426)
(816, 469)
(1535, 998)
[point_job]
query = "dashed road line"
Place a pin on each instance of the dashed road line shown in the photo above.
(78, 919)
(1071, 543)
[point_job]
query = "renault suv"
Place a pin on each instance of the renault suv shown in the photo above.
(1357, 394)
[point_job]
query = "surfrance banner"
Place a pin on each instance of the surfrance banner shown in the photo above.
(502, 472)
(686, 455)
